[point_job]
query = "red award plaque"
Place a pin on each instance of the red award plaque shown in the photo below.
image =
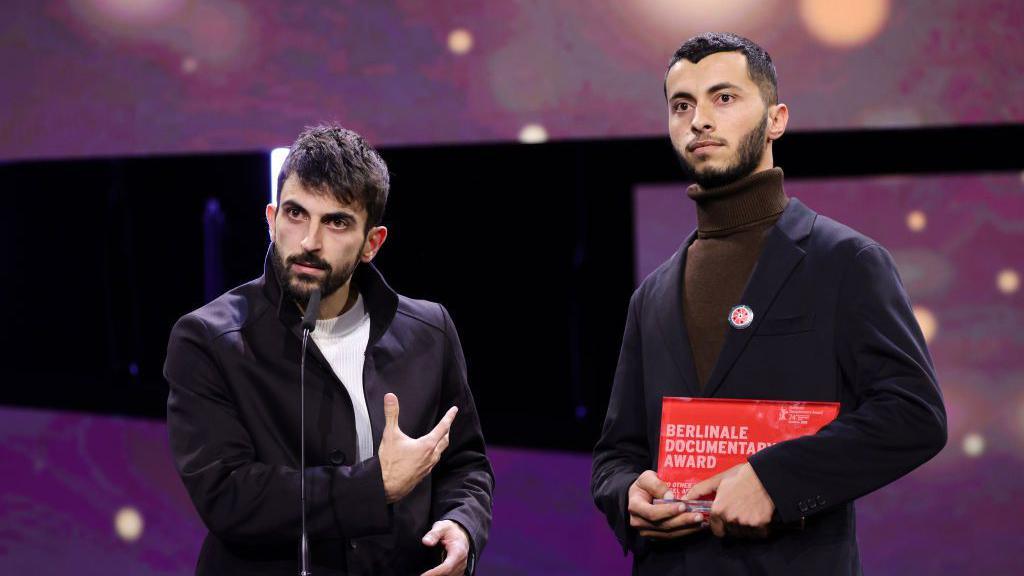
(701, 437)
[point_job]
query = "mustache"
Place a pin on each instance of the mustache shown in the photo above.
(311, 260)
(693, 145)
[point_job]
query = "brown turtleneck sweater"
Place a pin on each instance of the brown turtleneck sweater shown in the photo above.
(732, 222)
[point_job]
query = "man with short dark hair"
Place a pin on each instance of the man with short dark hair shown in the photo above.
(825, 318)
(388, 492)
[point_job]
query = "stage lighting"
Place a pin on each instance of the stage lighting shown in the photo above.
(277, 156)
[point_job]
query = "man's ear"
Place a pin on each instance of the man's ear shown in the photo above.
(374, 240)
(271, 214)
(778, 117)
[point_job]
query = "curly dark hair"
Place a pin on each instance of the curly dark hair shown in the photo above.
(335, 160)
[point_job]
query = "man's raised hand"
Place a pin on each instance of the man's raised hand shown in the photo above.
(405, 461)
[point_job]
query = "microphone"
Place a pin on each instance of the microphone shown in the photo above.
(312, 312)
(308, 325)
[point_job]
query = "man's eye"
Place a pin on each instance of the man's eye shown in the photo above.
(337, 223)
(682, 106)
(293, 213)
(726, 98)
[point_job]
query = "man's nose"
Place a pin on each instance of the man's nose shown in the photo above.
(311, 241)
(702, 120)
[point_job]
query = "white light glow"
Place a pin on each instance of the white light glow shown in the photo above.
(277, 156)
(533, 134)
(974, 444)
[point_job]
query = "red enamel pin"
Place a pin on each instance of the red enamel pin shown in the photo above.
(741, 316)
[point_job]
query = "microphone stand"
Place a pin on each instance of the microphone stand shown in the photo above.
(308, 325)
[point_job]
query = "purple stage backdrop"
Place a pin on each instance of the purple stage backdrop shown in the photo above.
(94, 495)
(128, 77)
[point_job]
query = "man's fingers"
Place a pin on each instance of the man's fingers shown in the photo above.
(433, 537)
(717, 525)
(703, 489)
(671, 523)
(689, 521)
(651, 484)
(444, 425)
(654, 513)
(456, 554)
(441, 446)
(390, 412)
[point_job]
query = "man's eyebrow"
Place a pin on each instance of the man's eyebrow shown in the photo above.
(711, 90)
(724, 86)
(340, 214)
(295, 205)
(292, 204)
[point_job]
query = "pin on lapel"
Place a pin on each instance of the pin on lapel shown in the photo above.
(741, 316)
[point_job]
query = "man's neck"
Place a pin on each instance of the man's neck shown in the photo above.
(735, 206)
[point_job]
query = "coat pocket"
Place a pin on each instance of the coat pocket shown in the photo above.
(786, 325)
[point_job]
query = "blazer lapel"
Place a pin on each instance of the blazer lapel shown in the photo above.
(668, 300)
(779, 256)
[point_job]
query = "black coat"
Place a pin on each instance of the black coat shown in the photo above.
(233, 420)
(832, 322)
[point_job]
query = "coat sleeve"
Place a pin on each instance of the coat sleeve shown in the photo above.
(898, 420)
(238, 497)
(622, 453)
(462, 482)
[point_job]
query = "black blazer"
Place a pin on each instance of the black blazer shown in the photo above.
(832, 322)
(233, 420)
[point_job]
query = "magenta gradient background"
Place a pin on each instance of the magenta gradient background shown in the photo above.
(113, 77)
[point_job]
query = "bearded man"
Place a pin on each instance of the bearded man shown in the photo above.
(765, 300)
(388, 492)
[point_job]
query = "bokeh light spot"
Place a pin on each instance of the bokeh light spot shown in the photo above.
(189, 65)
(460, 41)
(533, 134)
(973, 444)
(844, 23)
(128, 524)
(927, 321)
(1008, 281)
(917, 221)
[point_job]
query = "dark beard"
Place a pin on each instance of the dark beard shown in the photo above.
(331, 282)
(750, 152)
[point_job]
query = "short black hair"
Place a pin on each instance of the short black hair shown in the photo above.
(759, 63)
(329, 158)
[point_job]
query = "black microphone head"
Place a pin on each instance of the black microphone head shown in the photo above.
(312, 311)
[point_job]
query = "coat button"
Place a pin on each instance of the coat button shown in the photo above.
(337, 457)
